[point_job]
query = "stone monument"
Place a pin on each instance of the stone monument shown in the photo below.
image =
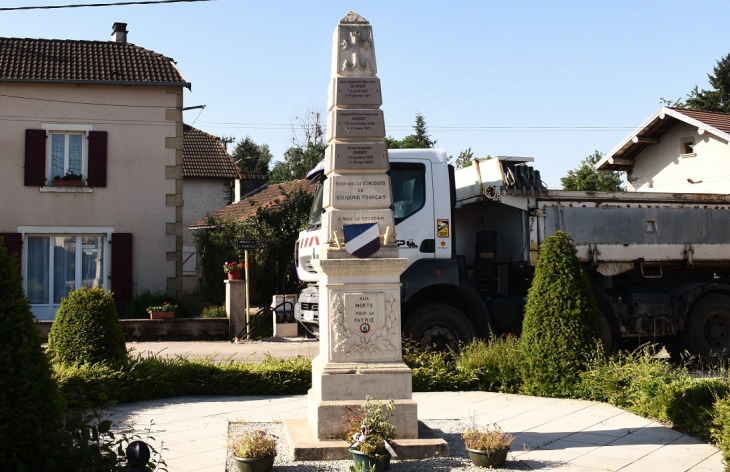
(359, 288)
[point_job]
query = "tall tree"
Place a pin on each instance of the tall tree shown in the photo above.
(419, 139)
(252, 157)
(30, 404)
(586, 177)
(307, 149)
(717, 99)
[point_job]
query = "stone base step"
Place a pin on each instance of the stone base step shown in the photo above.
(305, 447)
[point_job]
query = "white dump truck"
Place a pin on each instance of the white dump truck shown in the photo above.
(659, 263)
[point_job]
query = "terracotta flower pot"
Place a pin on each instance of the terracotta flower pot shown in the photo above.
(67, 183)
(162, 315)
(254, 464)
(495, 459)
(234, 275)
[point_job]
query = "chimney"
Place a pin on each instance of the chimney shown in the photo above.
(119, 32)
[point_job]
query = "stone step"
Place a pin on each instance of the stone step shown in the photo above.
(305, 447)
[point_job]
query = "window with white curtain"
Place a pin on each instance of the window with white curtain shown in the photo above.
(67, 151)
(58, 263)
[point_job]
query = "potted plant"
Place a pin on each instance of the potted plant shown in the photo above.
(162, 312)
(233, 269)
(371, 433)
(68, 180)
(487, 447)
(254, 450)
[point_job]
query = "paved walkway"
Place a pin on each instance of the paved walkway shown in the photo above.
(555, 434)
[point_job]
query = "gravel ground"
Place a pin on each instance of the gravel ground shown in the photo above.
(253, 351)
(450, 430)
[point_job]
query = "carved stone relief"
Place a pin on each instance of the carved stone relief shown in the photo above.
(364, 333)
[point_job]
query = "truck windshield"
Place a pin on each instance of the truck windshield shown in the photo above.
(315, 215)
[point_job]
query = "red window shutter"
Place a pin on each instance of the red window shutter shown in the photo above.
(14, 244)
(97, 159)
(121, 269)
(35, 157)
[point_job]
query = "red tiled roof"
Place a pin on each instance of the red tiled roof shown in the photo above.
(58, 60)
(654, 128)
(717, 120)
(248, 207)
(205, 157)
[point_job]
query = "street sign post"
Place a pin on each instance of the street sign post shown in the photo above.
(245, 245)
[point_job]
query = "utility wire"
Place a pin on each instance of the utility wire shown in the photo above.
(85, 103)
(524, 52)
(117, 4)
(546, 57)
(581, 58)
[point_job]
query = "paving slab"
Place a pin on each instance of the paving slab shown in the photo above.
(590, 436)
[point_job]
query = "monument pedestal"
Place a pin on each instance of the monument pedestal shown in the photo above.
(356, 362)
(340, 385)
(359, 269)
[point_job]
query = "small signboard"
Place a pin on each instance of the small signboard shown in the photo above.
(246, 244)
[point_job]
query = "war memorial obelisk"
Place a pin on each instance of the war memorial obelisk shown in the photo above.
(359, 290)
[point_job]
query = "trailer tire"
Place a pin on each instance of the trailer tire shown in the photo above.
(439, 326)
(707, 330)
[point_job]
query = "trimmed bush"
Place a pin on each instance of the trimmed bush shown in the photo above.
(721, 428)
(87, 329)
(30, 405)
(215, 311)
(562, 321)
(494, 364)
(149, 378)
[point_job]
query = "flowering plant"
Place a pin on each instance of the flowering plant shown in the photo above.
(253, 444)
(69, 176)
(231, 266)
(164, 307)
(369, 429)
(491, 438)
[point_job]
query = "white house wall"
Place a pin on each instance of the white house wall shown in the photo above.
(663, 168)
(143, 195)
(202, 197)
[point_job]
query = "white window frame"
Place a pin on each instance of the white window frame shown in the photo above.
(48, 310)
(683, 147)
(67, 129)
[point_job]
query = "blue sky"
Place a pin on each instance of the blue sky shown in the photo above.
(551, 80)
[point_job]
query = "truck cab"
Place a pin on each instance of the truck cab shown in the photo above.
(422, 204)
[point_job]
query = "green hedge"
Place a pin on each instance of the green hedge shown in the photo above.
(147, 378)
(634, 381)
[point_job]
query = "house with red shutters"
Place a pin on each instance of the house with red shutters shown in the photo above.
(91, 187)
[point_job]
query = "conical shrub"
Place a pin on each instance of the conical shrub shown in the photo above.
(87, 329)
(30, 404)
(562, 321)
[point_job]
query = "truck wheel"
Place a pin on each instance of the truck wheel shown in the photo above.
(439, 326)
(707, 330)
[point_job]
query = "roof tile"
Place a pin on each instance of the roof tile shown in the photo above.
(248, 207)
(717, 120)
(205, 157)
(29, 60)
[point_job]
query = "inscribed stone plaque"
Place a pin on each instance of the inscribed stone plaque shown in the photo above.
(355, 91)
(364, 312)
(356, 157)
(357, 191)
(346, 123)
(333, 219)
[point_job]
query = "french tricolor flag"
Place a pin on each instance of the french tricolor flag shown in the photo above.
(362, 240)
